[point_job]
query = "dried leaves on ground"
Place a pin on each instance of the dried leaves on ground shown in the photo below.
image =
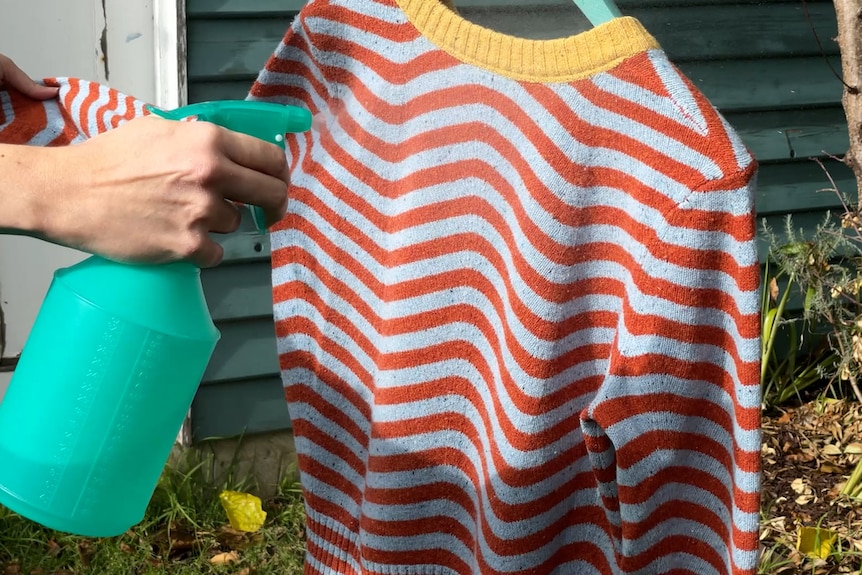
(808, 453)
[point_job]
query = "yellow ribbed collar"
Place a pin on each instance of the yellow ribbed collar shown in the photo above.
(557, 60)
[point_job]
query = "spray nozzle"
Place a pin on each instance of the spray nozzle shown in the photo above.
(265, 120)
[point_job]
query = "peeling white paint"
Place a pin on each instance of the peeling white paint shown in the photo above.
(132, 63)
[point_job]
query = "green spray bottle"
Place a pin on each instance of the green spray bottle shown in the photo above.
(110, 369)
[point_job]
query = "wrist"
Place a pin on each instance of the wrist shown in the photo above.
(21, 182)
(37, 185)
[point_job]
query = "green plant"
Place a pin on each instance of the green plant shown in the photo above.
(785, 374)
(827, 266)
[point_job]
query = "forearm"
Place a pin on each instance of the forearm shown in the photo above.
(28, 176)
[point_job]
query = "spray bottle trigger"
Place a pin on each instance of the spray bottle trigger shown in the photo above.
(201, 114)
(258, 218)
(264, 120)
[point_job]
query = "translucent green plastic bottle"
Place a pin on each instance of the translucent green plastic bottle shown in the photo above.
(109, 371)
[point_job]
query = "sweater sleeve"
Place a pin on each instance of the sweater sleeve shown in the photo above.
(673, 432)
(80, 111)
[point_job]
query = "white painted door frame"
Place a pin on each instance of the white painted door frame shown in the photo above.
(169, 18)
(169, 23)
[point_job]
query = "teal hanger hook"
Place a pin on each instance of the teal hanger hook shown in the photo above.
(598, 11)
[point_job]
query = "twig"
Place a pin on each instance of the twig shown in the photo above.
(855, 387)
(820, 46)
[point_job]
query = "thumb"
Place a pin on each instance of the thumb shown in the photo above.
(12, 75)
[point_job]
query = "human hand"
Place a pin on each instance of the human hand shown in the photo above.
(12, 75)
(151, 190)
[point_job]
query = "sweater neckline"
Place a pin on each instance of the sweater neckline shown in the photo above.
(558, 60)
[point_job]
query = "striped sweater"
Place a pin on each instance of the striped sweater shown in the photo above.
(516, 301)
(515, 296)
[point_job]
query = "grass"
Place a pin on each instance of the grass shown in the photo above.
(185, 532)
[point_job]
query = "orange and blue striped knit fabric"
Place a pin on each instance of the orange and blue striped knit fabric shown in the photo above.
(515, 297)
(516, 300)
(82, 110)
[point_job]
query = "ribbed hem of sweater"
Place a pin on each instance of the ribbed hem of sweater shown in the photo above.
(558, 60)
(341, 543)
